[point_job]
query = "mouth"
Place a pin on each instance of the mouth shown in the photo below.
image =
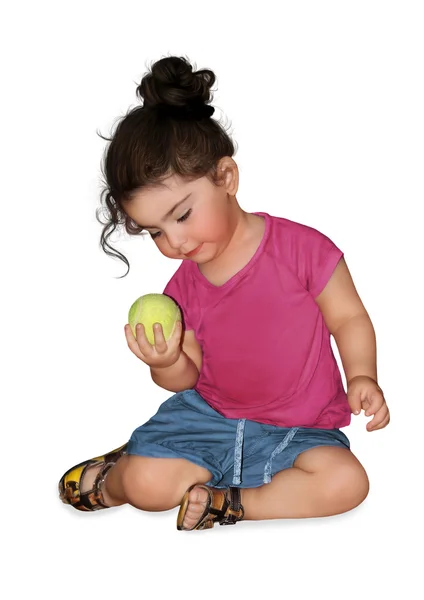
(195, 251)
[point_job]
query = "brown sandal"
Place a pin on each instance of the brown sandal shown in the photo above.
(70, 482)
(223, 507)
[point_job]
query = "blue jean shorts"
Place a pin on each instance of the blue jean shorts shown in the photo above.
(237, 452)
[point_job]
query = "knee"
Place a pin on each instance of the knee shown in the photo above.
(146, 487)
(349, 487)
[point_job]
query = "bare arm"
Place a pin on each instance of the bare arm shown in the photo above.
(183, 374)
(355, 340)
(349, 323)
(180, 376)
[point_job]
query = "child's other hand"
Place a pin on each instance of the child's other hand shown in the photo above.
(364, 393)
(163, 353)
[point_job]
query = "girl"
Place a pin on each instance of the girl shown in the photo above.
(252, 430)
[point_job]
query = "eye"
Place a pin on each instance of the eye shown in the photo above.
(180, 220)
(185, 216)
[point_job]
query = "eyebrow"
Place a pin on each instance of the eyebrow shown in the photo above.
(168, 214)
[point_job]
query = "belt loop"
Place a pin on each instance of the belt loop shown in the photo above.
(288, 438)
(238, 452)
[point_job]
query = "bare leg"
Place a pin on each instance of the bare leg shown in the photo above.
(147, 483)
(323, 481)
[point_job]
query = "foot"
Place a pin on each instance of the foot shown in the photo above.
(77, 485)
(197, 500)
(87, 483)
(202, 506)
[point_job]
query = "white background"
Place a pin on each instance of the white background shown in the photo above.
(325, 101)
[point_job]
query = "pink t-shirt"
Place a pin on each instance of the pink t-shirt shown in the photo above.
(267, 355)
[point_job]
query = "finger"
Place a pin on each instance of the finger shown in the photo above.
(173, 341)
(384, 422)
(375, 402)
(175, 338)
(132, 342)
(160, 342)
(354, 400)
(142, 341)
(378, 418)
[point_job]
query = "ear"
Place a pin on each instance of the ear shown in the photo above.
(228, 173)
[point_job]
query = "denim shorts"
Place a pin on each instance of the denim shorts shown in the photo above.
(237, 452)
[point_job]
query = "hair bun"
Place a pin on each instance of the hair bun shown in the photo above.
(173, 82)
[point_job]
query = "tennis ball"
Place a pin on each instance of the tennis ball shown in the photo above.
(154, 308)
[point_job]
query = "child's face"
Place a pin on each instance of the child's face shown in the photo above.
(204, 219)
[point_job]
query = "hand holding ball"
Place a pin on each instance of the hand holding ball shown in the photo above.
(154, 308)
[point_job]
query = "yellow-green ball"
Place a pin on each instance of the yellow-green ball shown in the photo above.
(154, 308)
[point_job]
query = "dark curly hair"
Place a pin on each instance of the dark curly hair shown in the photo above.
(151, 143)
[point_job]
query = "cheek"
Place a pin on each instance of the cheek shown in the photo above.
(213, 229)
(165, 249)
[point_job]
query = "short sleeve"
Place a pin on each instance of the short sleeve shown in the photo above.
(317, 257)
(177, 290)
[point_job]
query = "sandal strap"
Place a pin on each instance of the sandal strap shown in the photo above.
(71, 481)
(234, 511)
(223, 507)
(93, 499)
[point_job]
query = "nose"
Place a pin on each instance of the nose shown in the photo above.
(176, 239)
